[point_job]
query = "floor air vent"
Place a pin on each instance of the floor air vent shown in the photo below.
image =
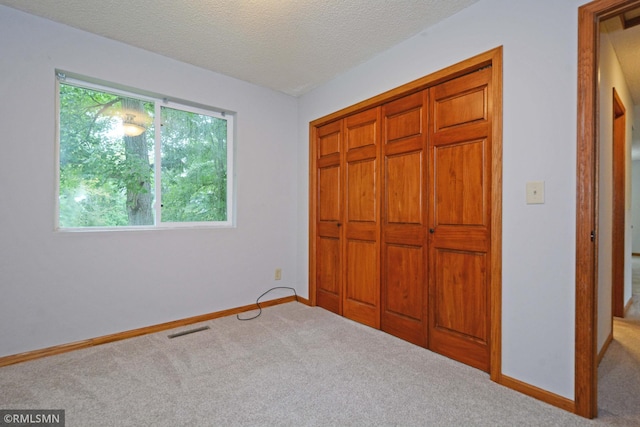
(189, 331)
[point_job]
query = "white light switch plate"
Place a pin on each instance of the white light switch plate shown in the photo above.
(535, 192)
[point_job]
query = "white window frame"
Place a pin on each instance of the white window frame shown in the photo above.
(159, 102)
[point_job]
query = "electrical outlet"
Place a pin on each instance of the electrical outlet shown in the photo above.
(278, 274)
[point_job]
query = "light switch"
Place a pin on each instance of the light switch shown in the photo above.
(535, 192)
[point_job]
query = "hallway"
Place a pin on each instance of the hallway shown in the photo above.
(619, 371)
(635, 277)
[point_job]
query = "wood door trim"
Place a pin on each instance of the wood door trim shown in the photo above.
(491, 58)
(589, 17)
(495, 248)
(619, 168)
(313, 216)
(464, 67)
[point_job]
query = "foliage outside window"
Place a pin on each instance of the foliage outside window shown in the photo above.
(133, 161)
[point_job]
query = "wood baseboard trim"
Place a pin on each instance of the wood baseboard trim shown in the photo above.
(605, 347)
(627, 307)
(64, 348)
(304, 301)
(538, 393)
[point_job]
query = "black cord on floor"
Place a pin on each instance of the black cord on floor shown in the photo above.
(258, 301)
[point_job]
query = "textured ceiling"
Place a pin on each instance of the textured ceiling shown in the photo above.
(626, 44)
(291, 46)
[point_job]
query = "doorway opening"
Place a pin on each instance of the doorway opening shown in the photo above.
(586, 345)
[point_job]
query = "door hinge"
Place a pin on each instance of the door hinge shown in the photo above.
(593, 235)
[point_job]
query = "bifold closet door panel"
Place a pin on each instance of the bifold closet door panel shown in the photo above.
(361, 250)
(405, 217)
(329, 217)
(404, 251)
(460, 186)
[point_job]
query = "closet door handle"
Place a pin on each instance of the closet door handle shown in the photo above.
(431, 230)
(339, 225)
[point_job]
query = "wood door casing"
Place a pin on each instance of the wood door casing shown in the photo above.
(328, 239)
(619, 172)
(404, 253)
(361, 250)
(459, 219)
(590, 16)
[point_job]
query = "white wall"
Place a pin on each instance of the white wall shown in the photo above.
(611, 76)
(540, 60)
(58, 287)
(635, 206)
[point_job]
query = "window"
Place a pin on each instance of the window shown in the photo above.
(127, 160)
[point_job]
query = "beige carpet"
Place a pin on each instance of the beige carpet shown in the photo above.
(293, 366)
(619, 371)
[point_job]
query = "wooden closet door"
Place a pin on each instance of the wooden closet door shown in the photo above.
(329, 217)
(404, 250)
(361, 249)
(459, 218)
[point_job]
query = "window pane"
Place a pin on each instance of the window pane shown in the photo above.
(194, 167)
(106, 159)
